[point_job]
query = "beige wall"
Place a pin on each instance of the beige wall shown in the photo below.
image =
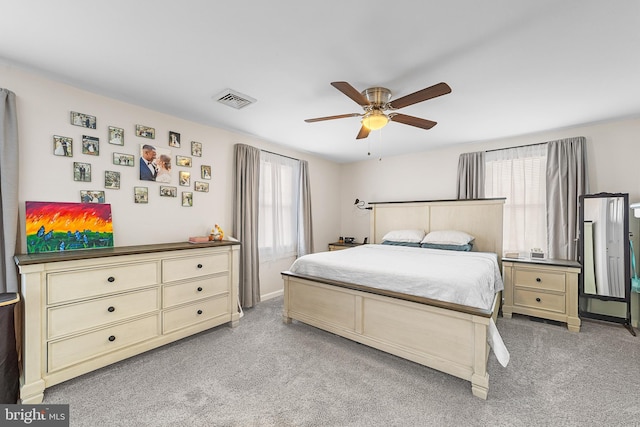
(43, 111)
(613, 150)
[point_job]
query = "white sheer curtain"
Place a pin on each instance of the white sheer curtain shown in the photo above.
(278, 213)
(519, 174)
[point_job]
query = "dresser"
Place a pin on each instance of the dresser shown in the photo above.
(337, 246)
(545, 288)
(83, 310)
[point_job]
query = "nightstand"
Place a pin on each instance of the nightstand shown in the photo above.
(546, 288)
(337, 246)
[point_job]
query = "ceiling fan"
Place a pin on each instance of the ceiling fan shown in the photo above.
(376, 101)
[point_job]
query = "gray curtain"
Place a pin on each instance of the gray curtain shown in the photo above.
(305, 229)
(566, 181)
(471, 176)
(246, 191)
(8, 190)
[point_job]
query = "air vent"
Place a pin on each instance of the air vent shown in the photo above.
(234, 99)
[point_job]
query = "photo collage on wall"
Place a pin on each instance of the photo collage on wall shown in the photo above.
(169, 164)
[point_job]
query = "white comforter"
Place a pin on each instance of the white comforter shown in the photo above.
(466, 278)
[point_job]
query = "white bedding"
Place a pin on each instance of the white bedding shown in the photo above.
(466, 278)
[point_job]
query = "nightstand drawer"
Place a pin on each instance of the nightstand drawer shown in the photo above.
(540, 279)
(539, 300)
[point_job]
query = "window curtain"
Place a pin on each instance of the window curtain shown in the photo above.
(471, 176)
(519, 175)
(566, 180)
(305, 229)
(246, 188)
(9, 219)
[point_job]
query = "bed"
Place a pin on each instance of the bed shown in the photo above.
(450, 336)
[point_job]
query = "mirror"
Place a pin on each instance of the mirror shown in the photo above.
(605, 281)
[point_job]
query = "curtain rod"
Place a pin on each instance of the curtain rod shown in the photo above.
(281, 155)
(517, 146)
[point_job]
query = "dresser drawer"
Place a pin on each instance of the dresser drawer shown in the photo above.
(79, 348)
(195, 266)
(539, 300)
(540, 279)
(200, 311)
(72, 318)
(80, 284)
(181, 293)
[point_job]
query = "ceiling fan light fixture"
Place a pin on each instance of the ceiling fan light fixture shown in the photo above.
(375, 120)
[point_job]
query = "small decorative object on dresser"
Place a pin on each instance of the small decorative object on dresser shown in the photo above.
(546, 288)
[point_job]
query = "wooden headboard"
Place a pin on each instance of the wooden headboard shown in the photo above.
(482, 218)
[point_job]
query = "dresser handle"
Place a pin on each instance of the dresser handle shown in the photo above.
(538, 299)
(111, 279)
(199, 289)
(111, 309)
(112, 338)
(538, 279)
(199, 311)
(199, 265)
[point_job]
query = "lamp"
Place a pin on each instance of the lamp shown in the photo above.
(360, 205)
(375, 120)
(636, 209)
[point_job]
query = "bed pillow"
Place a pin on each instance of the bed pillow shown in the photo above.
(448, 237)
(411, 236)
(393, 243)
(464, 248)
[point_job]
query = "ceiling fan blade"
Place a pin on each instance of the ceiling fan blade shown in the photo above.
(421, 95)
(412, 121)
(351, 92)
(341, 116)
(364, 132)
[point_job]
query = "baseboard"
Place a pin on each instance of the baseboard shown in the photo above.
(272, 295)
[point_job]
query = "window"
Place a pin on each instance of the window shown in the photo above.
(278, 209)
(519, 174)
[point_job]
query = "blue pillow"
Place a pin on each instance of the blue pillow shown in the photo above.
(465, 248)
(394, 243)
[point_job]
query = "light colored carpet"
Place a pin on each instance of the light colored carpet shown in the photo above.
(266, 373)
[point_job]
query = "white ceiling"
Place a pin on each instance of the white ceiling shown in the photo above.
(514, 66)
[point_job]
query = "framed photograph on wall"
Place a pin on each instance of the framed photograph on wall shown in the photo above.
(116, 135)
(205, 172)
(168, 191)
(185, 178)
(174, 139)
(112, 180)
(83, 120)
(201, 186)
(90, 145)
(82, 172)
(183, 161)
(145, 132)
(187, 198)
(90, 196)
(196, 149)
(122, 159)
(62, 146)
(141, 194)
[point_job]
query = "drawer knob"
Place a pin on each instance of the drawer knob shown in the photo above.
(538, 300)
(199, 311)
(199, 265)
(111, 279)
(199, 289)
(538, 279)
(111, 309)
(112, 338)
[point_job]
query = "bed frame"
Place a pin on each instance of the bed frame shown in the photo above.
(447, 337)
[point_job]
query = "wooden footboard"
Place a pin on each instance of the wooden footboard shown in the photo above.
(451, 341)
